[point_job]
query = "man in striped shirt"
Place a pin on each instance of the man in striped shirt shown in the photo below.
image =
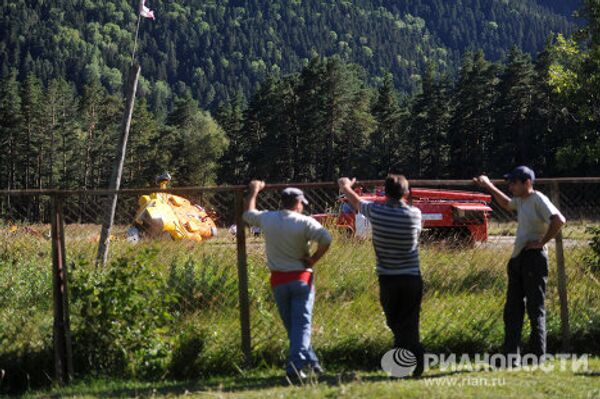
(396, 228)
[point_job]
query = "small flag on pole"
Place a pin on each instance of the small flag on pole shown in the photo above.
(145, 11)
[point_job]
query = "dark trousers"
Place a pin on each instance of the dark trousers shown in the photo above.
(400, 298)
(527, 278)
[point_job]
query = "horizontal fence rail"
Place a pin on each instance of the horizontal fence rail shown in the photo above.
(276, 186)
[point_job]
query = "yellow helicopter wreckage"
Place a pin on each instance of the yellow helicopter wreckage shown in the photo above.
(164, 214)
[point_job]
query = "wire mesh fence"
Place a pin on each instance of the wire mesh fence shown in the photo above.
(167, 303)
(463, 254)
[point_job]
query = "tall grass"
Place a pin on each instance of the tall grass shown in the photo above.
(462, 305)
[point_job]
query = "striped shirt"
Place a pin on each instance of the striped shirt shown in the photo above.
(396, 228)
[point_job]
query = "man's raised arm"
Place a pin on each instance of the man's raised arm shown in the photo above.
(501, 198)
(346, 187)
(254, 188)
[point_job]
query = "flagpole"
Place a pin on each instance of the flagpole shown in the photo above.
(137, 30)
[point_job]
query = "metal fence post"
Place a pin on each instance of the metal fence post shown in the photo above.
(63, 359)
(562, 277)
(242, 263)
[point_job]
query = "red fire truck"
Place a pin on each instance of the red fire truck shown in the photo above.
(447, 214)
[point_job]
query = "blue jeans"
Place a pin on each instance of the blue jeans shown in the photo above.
(295, 303)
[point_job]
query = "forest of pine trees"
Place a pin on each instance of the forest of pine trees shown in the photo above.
(326, 120)
(217, 48)
(54, 138)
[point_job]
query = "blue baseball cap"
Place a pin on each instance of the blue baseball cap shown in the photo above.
(521, 173)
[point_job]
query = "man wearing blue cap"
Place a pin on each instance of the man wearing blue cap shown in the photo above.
(288, 234)
(539, 222)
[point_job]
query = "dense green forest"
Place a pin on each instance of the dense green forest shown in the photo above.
(218, 48)
(326, 121)
(329, 118)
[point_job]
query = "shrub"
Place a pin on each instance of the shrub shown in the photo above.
(593, 260)
(123, 318)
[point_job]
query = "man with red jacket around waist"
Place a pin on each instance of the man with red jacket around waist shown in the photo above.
(288, 234)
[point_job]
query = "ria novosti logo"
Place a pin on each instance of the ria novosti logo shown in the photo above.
(399, 362)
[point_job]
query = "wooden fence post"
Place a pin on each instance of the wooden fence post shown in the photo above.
(115, 179)
(562, 278)
(63, 356)
(242, 264)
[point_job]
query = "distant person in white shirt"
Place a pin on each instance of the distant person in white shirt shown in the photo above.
(539, 222)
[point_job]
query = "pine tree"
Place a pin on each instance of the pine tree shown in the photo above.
(384, 145)
(472, 123)
(256, 140)
(289, 128)
(338, 87)
(275, 151)
(107, 134)
(546, 122)
(93, 95)
(312, 117)
(65, 142)
(352, 155)
(514, 142)
(31, 156)
(145, 156)
(10, 123)
(230, 117)
(429, 124)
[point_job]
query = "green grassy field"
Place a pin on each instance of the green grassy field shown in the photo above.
(434, 383)
(199, 337)
(574, 229)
